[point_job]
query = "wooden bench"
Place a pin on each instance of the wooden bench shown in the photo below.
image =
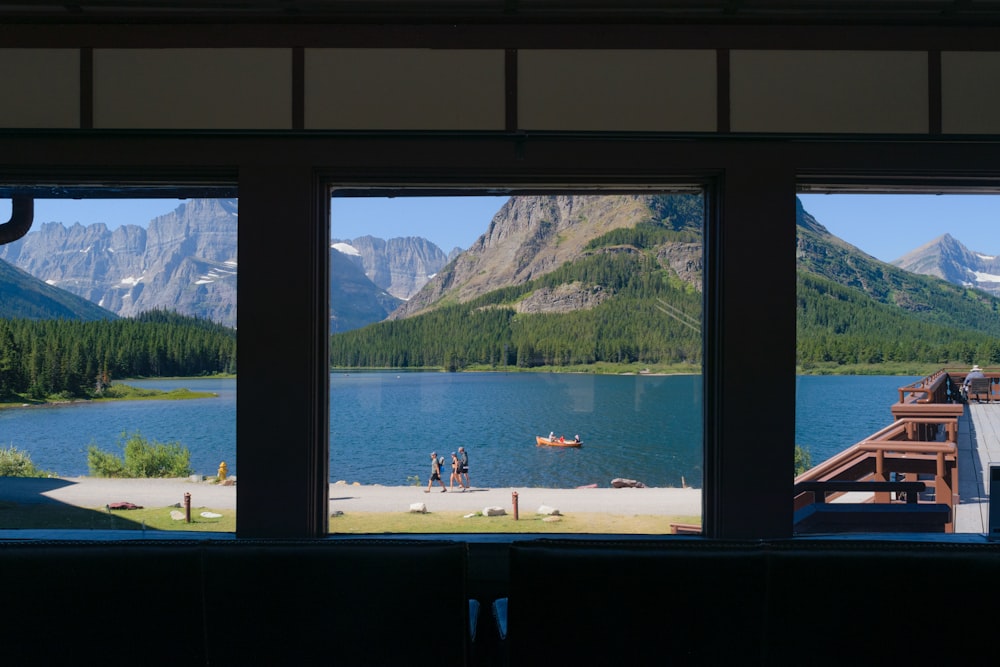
(980, 386)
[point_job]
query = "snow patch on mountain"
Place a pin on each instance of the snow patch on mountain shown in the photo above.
(346, 249)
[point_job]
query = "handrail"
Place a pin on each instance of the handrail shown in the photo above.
(931, 389)
(822, 488)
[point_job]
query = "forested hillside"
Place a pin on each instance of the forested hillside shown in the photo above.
(627, 291)
(22, 295)
(42, 358)
(633, 295)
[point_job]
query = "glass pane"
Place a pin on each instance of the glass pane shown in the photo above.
(117, 365)
(898, 301)
(554, 340)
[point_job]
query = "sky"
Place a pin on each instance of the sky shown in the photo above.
(113, 212)
(448, 222)
(884, 226)
(889, 226)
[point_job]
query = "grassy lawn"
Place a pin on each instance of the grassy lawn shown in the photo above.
(59, 516)
(456, 522)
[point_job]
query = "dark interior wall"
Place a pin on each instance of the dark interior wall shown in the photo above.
(282, 179)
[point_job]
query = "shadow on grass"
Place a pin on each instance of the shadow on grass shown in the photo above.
(24, 506)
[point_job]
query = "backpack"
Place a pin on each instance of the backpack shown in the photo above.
(440, 463)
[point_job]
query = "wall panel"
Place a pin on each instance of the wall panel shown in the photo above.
(41, 88)
(404, 89)
(829, 91)
(610, 90)
(970, 92)
(193, 88)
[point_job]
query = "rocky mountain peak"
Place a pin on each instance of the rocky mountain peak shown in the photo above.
(945, 257)
(531, 236)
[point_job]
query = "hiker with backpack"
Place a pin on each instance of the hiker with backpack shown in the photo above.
(436, 464)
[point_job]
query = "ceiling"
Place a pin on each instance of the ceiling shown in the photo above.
(888, 12)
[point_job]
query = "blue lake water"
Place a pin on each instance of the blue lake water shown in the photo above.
(384, 425)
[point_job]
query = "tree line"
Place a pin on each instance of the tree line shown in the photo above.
(42, 358)
(629, 326)
(835, 324)
(841, 325)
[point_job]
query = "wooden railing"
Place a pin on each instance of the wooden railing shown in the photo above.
(911, 448)
(932, 389)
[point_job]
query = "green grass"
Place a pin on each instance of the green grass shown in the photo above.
(455, 522)
(117, 392)
(67, 517)
(889, 368)
(56, 516)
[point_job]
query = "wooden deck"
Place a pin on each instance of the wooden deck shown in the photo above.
(978, 447)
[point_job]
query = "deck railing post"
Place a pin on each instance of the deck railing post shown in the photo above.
(880, 476)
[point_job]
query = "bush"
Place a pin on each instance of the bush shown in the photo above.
(141, 459)
(16, 462)
(803, 460)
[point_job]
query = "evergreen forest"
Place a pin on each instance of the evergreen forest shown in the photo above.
(71, 358)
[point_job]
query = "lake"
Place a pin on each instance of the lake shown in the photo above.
(385, 424)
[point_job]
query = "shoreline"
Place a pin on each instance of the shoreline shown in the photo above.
(96, 492)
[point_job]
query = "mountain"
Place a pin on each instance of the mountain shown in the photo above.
(354, 299)
(185, 261)
(532, 236)
(555, 280)
(401, 266)
(566, 280)
(946, 258)
(929, 299)
(23, 296)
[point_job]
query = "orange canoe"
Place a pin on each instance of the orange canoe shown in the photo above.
(557, 442)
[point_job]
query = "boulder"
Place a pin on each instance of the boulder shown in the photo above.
(551, 511)
(418, 508)
(620, 483)
(494, 511)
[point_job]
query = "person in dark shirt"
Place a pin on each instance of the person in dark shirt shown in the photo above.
(463, 467)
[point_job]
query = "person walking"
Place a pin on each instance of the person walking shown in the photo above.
(435, 474)
(456, 476)
(463, 469)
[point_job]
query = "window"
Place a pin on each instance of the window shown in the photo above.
(118, 339)
(897, 301)
(554, 336)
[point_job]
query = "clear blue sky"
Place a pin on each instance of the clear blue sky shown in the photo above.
(446, 221)
(889, 226)
(113, 212)
(885, 226)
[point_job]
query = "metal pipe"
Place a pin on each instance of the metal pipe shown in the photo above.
(22, 214)
(187, 507)
(513, 499)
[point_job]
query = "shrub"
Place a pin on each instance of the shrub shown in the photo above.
(803, 460)
(16, 462)
(141, 459)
